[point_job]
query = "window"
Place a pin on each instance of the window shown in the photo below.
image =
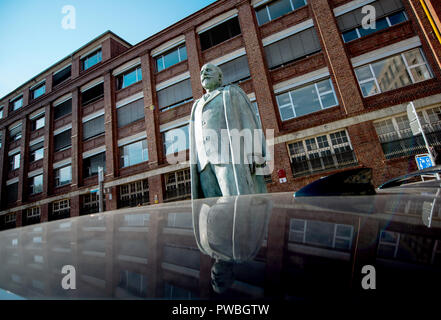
(61, 207)
(133, 194)
(16, 104)
(235, 70)
(321, 234)
(175, 95)
(91, 164)
(62, 109)
(307, 99)
(63, 140)
(176, 140)
(171, 58)
(292, 48)
(321, 153)
(38, 91)
(14, 162)
(36, 151)
(93, 94)
(128, 78)
(10, 218)
(388, 13)
(61, 76)
(15, 133)
(276, 9)
(133, 153)
(93, 128)
(12, 192)
(178, 185)
(90, 203)
(130, 112)
(37, 123)
(134, 283)
(173, 292)
(1, 112)
(63, 176)
(36, 184)
(393, 72)
(91, 60)
(33, 212)
(219, 33)
(396, 137)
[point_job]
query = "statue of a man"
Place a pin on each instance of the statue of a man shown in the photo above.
(227, 145)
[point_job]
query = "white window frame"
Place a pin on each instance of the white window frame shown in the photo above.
(33, 212)
(60, 205)
(408, 68)
(317, 92)
(306, 153)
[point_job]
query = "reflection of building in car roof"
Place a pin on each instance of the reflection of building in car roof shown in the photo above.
(302, 247)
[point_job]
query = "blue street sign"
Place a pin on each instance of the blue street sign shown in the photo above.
(423, 161)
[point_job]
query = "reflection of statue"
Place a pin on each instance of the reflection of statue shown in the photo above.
(223, 163)
(230, 230)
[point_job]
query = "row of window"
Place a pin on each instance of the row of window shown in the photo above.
(57, 78)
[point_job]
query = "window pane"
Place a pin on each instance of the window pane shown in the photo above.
(171, 58)
(39, 91)
(364, 73)
(134, 153)
(159, 64)
(369, 88)
(279, 8)
(262, 15)
(350, 35)
(379, 25)
(183, 53)
(414, 57)
(305, 100)
(63, 109)
(397, 18)
(388, 71)
(298, 3)
(64, 175)
(286, 113)
(129, 78)
(328, 100)
(176, 140)
(324, 86)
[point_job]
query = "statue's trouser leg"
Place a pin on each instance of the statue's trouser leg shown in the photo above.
(225, 177)
(209, 182)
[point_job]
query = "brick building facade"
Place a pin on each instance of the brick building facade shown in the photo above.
(334, 93)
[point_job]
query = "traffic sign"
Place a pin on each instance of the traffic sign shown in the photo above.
(423, 161)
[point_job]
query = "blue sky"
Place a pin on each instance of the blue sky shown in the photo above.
(33, 39)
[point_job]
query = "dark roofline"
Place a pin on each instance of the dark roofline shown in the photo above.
(69, 56)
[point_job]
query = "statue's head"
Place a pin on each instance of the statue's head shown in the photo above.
(222, 276)
(211, 77)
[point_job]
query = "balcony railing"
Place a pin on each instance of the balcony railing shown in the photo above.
(60, 214)
(330, 162)
(182, 192)
(134, 200)
(411, 145)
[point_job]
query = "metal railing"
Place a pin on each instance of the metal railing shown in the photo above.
(411, 145)
(321, 164)
(134, 200)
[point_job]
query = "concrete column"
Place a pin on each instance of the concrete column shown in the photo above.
(76, 140)
(156, 187)
(151, 112)
(258, 68)
(339, 65)
(111, 138)
(426, 30)
(23, 170)
(368, 150)
(48, 151)
(3, 164)
(194, 62)
(48, 83)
